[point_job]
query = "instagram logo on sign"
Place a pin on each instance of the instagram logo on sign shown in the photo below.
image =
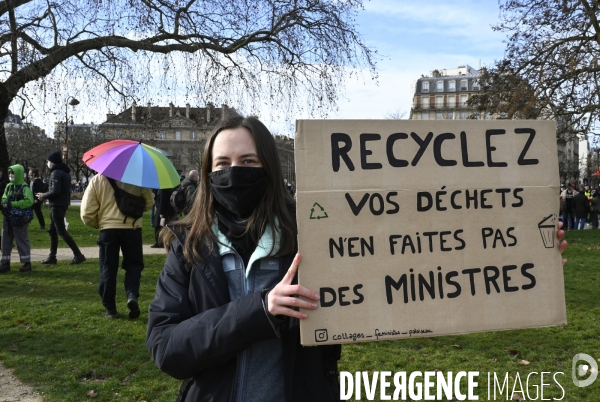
(321, 335)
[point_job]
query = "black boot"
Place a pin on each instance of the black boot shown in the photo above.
(50, 260)
(4, 267)
(26, 267)
(133, 306)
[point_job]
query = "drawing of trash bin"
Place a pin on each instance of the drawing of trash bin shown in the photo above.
(547, 230)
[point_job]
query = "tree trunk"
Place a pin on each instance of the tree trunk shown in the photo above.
(3, 145)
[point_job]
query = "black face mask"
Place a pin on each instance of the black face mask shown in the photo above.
(239, 189)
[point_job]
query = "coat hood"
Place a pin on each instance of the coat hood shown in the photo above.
(18, 171)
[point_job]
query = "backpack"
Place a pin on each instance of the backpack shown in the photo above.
(178, 199)
(129, 204)
(17, 216)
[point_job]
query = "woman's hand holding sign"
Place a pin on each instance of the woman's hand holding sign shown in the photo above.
(282, 299)
(563, 243)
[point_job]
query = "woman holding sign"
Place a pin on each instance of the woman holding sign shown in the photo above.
(226, 313)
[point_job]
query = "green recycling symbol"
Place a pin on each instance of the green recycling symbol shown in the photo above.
(321, 214)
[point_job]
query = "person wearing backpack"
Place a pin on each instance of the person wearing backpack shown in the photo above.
(119, 232)
(17, 200)
(59, 199)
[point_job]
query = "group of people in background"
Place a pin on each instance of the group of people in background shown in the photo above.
(579, 206)
(20, 200)
(24, 194)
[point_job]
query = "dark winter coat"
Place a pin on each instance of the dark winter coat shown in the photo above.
(582, 205)
(189, 186)
(195, 331)
(163, 207)
(596, 203)
(3, 183)
(37, 185)
(59, 190)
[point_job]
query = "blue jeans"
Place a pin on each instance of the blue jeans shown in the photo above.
(569, 219)
(580, 223)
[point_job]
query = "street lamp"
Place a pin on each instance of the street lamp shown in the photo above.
(73, 102)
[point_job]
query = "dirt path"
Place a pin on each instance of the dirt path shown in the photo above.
(12, 390)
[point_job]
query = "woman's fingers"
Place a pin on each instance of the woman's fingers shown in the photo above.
(291, 272)
(291, 313)
(562, 246)
(284, 299)
(560, 233)
(289, 305)
(285, 304)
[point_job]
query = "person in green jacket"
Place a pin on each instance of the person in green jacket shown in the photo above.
(17, 197)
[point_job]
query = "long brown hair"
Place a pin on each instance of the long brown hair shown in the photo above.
(276, 203)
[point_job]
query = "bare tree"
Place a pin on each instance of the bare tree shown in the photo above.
(554, 47)
(569, 170)
(396, 114)
(81, 140)
(507, 95)
(258, 52)
(194, 153)
(28, 148)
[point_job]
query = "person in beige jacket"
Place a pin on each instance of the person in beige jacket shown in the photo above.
(117, 233)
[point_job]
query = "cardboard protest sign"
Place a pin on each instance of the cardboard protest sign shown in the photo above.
(416, 228)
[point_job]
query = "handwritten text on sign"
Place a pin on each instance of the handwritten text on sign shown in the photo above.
(411, 228)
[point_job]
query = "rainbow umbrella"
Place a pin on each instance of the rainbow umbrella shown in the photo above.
(134, 163)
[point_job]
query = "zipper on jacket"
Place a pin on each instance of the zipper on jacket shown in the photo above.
(242, 359)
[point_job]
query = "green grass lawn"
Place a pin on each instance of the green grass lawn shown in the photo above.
(53, 334)
(84, 236)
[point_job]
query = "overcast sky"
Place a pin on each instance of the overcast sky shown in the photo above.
(413, 37)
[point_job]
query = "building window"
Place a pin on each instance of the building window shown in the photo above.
(463, 100)
(450, 116)
(424, 116)
(178, 135)
(117, 134)
(425, 102)
(439, 86)
(162, 135)
(488, 116)
(464, 85)
(143, 134)
(438, 116)
(192, 135)
(475, 86)
(425, 86)
(463, 115)
(451, 86)
(439, 101)
(452, 101)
